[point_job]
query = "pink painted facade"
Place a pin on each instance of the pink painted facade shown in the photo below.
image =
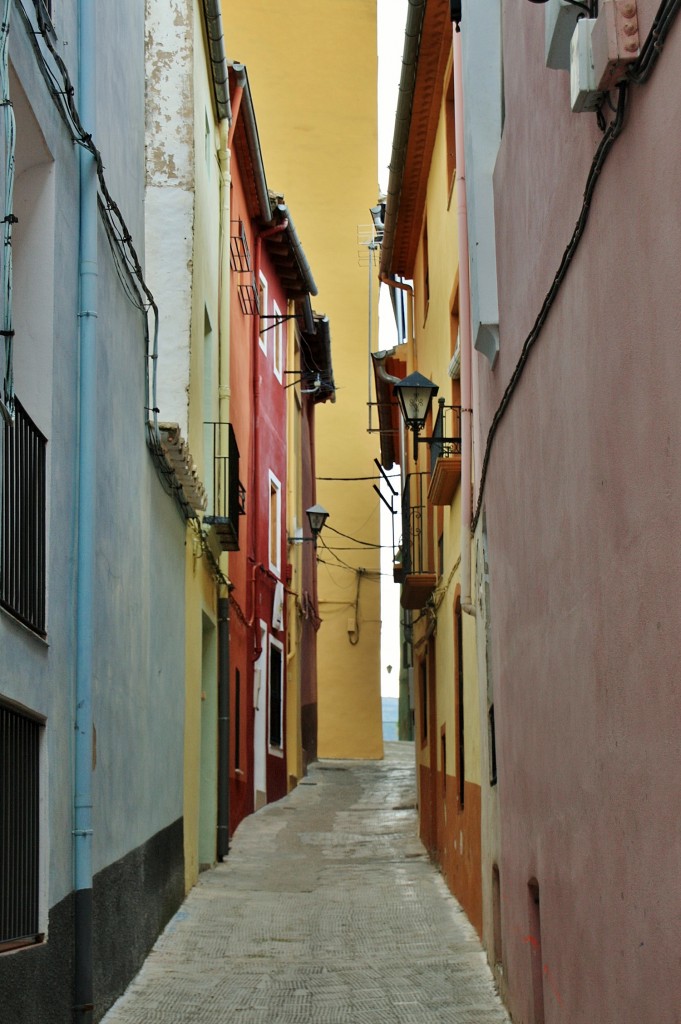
(582, 508)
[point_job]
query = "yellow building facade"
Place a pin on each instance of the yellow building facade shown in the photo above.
(422, 244)
(187, 119)
(317, 120)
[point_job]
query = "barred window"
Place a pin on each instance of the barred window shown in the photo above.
(19, 826)
(22, 529)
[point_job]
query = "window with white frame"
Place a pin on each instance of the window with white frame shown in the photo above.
(278, 345)
(263, 307)
(275, 525)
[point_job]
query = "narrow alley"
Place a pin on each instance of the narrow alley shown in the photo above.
(326, 910)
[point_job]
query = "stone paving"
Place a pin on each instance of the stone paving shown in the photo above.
(327, 911)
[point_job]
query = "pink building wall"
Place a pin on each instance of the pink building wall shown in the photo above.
(583, 514)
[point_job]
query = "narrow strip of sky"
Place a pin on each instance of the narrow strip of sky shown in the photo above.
(392, 15)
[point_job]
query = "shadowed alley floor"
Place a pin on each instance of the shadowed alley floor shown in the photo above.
(327, 911)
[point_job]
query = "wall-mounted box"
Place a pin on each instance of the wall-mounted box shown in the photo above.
(584, 93)
(559, 26)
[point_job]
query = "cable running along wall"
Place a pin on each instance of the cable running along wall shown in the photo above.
(639, 74)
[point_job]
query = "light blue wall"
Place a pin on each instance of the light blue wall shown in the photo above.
(139, 589)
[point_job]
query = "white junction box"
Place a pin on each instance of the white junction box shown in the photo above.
(600, 51)
(584, 93)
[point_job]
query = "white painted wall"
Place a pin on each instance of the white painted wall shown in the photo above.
(170, 181)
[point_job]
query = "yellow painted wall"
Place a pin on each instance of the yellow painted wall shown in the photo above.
(433, 349)
(200, 586)
(312, 69)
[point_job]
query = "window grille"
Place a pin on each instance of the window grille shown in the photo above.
(22, 531)
(19, 828)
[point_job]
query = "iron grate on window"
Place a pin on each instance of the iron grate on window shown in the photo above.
(19, 828)
(22, 530)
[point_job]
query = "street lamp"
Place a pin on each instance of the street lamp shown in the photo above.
(415, 395)
(317, 516)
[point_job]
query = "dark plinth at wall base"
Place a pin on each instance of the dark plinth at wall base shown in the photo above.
(36, 983)
(133, 901)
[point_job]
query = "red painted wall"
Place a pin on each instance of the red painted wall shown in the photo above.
(258, 416)
(583, 506)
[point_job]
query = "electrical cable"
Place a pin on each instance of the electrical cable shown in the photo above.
(7, 395)
(641, 69)
(118, 233)
(639, 73)
(364, 543)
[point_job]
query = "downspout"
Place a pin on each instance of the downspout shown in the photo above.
(465, 327)
(223, 728)
(224, 284)
(220, 75)
(87, 463)
(224, 394)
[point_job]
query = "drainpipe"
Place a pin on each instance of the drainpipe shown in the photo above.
(87, 462)
(223, 728)
(224, 669)
(465, 326)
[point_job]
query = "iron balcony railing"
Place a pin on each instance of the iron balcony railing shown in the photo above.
(227, 496)
(412, 546)
(22, 534)
(446, 436)
(19, 828)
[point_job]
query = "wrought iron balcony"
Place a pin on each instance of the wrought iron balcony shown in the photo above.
(411, 570)
(227, 496)
(445, 454)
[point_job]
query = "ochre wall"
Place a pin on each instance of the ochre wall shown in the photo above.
(316, 114)
(451, 833)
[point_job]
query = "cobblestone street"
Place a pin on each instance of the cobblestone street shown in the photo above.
(327, 911)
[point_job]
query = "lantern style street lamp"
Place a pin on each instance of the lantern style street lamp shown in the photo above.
(316, 517)
(415, 396)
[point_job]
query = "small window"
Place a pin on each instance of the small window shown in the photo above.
(20, 736)
(276, 701)
(264, 310)
(275, 525)
(278, 344)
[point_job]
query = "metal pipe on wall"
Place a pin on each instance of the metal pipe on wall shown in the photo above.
(465, 328)
(223, 728)
(87, 464)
